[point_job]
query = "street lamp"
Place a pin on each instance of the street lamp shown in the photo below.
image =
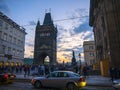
(80, 63)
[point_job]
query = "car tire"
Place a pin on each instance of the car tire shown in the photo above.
(38, 84)
(71, 86)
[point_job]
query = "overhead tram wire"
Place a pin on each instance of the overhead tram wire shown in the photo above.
(69, 19)
(61, 20)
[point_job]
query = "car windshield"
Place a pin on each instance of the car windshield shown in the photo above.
(72, 74)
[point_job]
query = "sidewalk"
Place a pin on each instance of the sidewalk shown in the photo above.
(91, 80)
(99, 81)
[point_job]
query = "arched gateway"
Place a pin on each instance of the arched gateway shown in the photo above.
(45, 41)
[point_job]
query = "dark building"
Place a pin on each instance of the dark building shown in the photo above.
(105, 20)
(45, 41)
(73, 58)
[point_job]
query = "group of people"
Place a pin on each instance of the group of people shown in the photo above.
(41, 69)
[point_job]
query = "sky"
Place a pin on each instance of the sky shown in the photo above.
(70, 16)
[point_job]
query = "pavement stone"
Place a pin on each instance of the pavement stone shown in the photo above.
(99, 81)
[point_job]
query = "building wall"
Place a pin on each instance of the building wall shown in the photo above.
(45, 41)
(12, 40)
(105, 20)
(89, 52)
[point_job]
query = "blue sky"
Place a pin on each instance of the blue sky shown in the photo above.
(71, 32)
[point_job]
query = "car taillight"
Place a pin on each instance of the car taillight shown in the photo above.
(82, 79)
(6, 76)
(33, 81)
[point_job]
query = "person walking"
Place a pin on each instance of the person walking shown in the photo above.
(85, 71)
(28, 71)
(112, 73)
(25, 70)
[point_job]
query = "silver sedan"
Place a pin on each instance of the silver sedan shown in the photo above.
(60, 79)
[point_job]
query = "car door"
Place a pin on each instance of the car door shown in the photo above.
(62, 79)
(51, 80)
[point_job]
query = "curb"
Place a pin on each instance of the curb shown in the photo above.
(99, 85)
(22, 80)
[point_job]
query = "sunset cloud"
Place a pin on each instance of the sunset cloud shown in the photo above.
(71, 35)
(72, 23)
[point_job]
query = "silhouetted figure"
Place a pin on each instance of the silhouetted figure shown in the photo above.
(85, 71)
(28, 70)
(112, 73)
(25, 70)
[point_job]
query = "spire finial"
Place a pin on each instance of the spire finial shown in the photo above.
(50, 10)
(45, 10)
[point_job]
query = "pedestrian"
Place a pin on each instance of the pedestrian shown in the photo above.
(112, 73)
(28, 70)
(85, 71)
(39, 70)
(25, 70)
(43, 69)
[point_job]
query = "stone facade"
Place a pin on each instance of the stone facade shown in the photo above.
(89, 52)
(105, 20)
(12, 41)
(45, 41)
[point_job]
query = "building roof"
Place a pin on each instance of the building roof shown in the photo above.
(11, 22)
(48, 20)
(88, 42)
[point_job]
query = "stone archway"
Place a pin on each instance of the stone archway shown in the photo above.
(47, 60)
(44, 58)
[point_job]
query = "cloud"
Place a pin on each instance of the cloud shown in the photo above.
(71, 35)
(32, 23)
(83, 27)
(29, 44)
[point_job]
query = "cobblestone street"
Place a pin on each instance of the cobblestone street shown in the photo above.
(28, 86)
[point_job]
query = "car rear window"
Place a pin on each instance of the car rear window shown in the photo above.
(72, 74)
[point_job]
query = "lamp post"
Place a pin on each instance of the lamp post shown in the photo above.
(80, 63)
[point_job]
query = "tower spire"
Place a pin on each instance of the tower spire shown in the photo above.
(48, 20)
(38, 24)
(73, 58)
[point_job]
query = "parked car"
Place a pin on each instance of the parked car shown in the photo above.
(59, 79)
(116, 84)
(6, 77)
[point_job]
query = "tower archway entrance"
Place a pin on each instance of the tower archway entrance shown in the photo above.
(44, 59)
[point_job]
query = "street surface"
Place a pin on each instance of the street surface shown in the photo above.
(28, 86)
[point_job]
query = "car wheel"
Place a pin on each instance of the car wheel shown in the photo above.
(71, 86)
(37, 84)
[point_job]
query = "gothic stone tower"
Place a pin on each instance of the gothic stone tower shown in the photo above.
(45, 41)
(73, 58)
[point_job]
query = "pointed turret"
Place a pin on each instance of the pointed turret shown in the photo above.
(73, 58)
(38, 23)
(48, 20)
